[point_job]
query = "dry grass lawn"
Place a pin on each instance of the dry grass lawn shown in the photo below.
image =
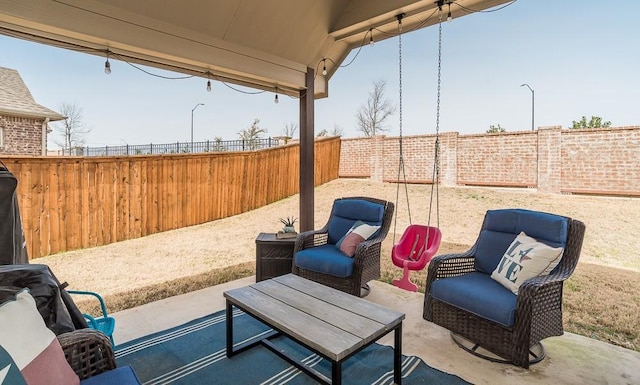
(602, 298)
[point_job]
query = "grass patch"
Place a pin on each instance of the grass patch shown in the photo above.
(133, 298)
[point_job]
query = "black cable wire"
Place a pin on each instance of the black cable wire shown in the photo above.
(470, 10)
(359, 49)
(239, 90)
(415, 27)
(324, 59)
(121, 58)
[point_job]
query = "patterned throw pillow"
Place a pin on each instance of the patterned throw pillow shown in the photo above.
(525, 258)
(29, 352)
(357, 234)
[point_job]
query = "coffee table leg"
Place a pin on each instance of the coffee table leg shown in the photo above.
(397, 356)
(336, 373)
(229, 318)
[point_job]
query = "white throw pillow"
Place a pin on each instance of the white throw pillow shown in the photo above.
(525, 258)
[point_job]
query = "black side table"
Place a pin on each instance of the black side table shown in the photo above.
(274, 256)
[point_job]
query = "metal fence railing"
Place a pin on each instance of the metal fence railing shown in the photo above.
(182, 147)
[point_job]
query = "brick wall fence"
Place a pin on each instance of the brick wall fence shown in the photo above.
(20, 135)
(551, 159)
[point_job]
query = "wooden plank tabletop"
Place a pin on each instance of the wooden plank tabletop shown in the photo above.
(327, 320)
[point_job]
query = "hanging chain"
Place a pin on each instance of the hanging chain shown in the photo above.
(401, 162)
(436, 157)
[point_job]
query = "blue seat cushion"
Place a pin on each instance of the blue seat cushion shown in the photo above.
(123, 375)
(477, 293)
(347, 211)
(501, 227)
(326, 259)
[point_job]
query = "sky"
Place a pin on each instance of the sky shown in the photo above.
(580, 58)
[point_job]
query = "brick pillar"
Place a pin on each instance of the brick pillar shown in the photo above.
(377, 160)
(449, 159)
(549, 159)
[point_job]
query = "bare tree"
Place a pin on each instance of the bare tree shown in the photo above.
(336, 131)
(72, 130)
(289, 129)
(371, 116)
(250, 136)
(218, 146)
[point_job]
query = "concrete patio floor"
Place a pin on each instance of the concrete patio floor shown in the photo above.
(571, 359)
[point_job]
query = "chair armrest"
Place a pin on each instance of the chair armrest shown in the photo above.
(541, 288)
(311, 238)
(367, 249)
(452, 265)
(88, 351)
(103, 307)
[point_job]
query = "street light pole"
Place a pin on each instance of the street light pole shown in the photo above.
(533, 104)
(194, 108)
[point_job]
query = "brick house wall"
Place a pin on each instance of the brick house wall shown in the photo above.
(21, 135)
(551, 159)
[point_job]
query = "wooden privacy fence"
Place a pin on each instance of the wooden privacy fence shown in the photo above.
(71, 203)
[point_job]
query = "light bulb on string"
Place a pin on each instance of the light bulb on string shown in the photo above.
(449, 18)
(275, 100)
(371, 42)
(107, 65)
(324, 67)
(208, 85)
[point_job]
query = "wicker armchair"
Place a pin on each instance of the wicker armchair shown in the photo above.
(90, 353)
(538, 309)
(366, 261)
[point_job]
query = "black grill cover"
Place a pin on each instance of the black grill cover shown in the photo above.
(55, 305)
(13, 248)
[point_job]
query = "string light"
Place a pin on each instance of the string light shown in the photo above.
(208, 85)
(371, 42)
(324, 66)
(107, 65)
(275, 100)
(449, 18)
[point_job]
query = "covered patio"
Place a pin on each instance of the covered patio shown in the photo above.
(571, 358)
(290, 47)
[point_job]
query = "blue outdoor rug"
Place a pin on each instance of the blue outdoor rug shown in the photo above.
(194, 354)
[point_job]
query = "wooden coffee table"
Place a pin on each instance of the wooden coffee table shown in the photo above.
(331, 323)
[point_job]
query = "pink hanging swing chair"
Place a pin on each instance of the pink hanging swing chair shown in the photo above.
(415, 249)
(419, 243)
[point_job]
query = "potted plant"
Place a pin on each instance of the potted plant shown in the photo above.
(288, 223)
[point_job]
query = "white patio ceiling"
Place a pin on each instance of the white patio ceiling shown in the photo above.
(265, 44)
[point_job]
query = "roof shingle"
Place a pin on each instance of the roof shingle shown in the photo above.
(15, 98)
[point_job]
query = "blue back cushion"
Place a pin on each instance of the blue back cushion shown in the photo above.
(502, 226)
(347, 211)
